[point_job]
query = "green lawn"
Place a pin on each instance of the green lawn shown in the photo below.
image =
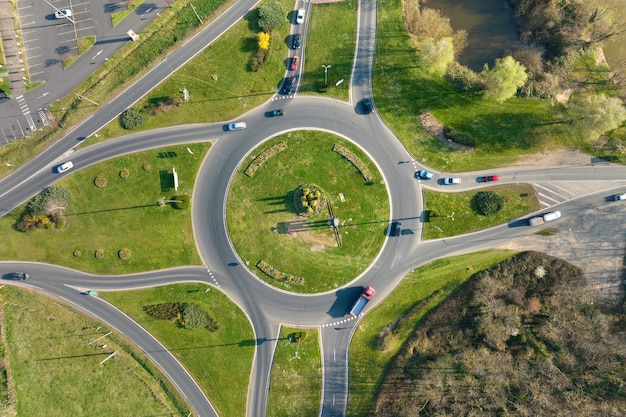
(519, 201)
(502, 130)
(419, 292)
(220, 361)
(296, 381)
(124, 214)
(330, 40)
(260, 212)
(55, 371)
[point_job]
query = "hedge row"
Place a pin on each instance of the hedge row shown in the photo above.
(354, 160)
(264, 156)
(277, 275)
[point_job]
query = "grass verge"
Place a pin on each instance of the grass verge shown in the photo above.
(117, 17)
(122, 214)
(83, 45)
(219, 361)
(55, 371)
(296, 381)
(451, 214)
(330, 40)
(263, 224)
(419, 292)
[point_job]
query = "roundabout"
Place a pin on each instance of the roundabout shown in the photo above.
(299, 250)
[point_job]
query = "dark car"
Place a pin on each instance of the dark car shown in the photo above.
(21, 276)
(396, 229)
(295, 41)
(367, 105)
(287, 85)
(275, 113)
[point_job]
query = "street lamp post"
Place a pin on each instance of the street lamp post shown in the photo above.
(325, 74)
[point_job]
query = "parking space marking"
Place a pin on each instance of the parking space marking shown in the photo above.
(563, 190)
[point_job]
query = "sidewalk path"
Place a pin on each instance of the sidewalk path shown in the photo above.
(11, 49)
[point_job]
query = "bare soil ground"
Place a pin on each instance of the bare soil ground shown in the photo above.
(593, 241)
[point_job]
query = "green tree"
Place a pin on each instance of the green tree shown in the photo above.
(592, 115)
(502, 82)
(194, 317)
(132, 118)
(436, 54)
(271, 16)
(50, 200)
(488, 202)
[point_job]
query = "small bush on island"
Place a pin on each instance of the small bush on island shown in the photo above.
(308, 199)
(132, 118)
(488, 202)
(181, 202)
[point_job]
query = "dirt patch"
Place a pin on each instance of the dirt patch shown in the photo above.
(433, 126)
(593, 241)
(558, 157)
(318, 241)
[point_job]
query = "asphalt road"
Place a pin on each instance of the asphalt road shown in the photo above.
(267, 307)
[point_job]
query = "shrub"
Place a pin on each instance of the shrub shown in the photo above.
(124, 254)
(146, 166)
(277, 275)
(459, 137)
(264, 156)
(463, 77)
(354, 160)
(184, 201)
(99, 254)
(132, 118)
(271, 16)
(264, 40)
(76, 253)
(49, 200)
(100, 181)
(194, 317)
(308, 199)
(165, 311)
(124, 173)
(259, 59)
(60, 223)
(488, 202)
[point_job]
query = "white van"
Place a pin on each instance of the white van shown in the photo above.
(551, 216)
(237, 126)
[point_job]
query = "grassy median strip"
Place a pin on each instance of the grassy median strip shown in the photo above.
(219, 361)
(263, 222)
(454, 213)
(296, 381)
(56, 371)
(423, 289)
(123, 213)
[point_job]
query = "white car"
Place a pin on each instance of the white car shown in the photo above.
(237, 126)
(450, 181)
(619, 197)
(62, 14)
(300, 16)
(65, 167)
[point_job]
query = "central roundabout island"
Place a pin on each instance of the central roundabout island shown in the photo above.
(307, 211)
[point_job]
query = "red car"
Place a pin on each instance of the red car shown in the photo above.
(490, 178)
(294, 63)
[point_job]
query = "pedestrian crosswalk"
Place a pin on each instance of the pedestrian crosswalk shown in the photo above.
(43, 116)
(557, 192)
(21, 102)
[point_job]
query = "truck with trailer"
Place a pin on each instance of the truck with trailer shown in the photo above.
(362, 301)
(547, 217)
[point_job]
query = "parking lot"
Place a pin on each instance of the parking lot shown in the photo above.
(48, 39)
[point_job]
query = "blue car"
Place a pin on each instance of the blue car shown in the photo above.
(423, 175)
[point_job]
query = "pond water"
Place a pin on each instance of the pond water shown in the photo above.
(489, 27)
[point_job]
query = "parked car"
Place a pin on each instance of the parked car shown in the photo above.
(490, 178)
(619, 197)
(62, 14)
(423, 175)
(19, 276)
(451, 181)
(237, 126)
(294, 63)
(300, 16)
(295, 41)
(367, 105)
(396, 229)
(277, 112)
(65, 167)
(287, 85)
